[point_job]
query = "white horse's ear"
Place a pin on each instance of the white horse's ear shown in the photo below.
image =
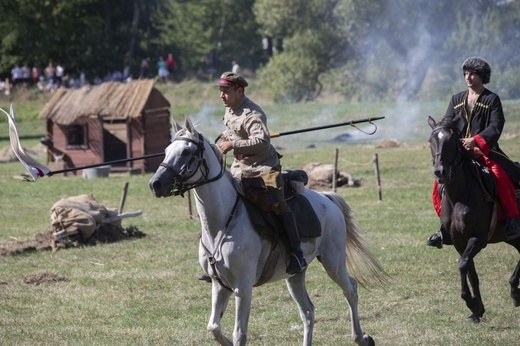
(189, 125)
(176, 127)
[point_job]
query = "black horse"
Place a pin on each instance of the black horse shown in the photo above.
(468, 211)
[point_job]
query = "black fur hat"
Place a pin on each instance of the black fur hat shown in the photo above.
(479, 66)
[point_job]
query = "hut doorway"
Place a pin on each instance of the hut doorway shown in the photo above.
(115, 141)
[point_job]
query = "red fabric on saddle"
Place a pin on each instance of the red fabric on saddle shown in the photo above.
(505, 191)
(436, 199)
(505, 188)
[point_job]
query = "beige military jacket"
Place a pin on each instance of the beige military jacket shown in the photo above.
(246, 127)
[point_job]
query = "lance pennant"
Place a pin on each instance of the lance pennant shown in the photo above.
(35, 168)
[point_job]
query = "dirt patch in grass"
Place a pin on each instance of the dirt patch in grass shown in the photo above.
(38, 279)
(106, 233)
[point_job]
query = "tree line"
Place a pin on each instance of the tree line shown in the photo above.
(363, 49)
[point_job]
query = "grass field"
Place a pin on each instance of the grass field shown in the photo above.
(145, 292)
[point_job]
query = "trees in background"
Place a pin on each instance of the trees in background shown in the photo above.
(317, 36)
(365, 49)
(91, 36)
(207, 35)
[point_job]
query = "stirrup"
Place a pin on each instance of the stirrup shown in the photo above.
(512, 230)
(204, 277)
(296, 264)
(435, 240)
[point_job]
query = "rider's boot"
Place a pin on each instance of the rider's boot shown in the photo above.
(512, 229)
(436, 238)
(204, 277)
(297, 262)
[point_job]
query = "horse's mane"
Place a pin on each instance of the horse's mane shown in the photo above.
(448, 123)
(216, 150)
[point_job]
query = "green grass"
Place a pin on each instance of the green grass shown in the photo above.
(145, 292)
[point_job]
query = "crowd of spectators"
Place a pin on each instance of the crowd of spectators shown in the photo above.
(54, 76)
(42, 80)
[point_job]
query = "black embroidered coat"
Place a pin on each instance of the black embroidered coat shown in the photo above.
(485, 124)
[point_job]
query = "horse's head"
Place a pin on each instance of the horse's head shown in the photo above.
(446, 149)
(186, 164)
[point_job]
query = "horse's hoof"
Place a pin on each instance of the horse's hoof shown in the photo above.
(368, 340)
(516, 301)
(473, 319)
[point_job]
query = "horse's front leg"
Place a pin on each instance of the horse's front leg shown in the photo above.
(243, 296)
(468, 271)
(219, 301)
(477, 306)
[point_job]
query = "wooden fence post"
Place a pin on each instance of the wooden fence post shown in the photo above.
(335, 171)
(123, 198)
(378, 178)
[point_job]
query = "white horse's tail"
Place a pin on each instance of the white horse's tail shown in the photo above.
(361, 263)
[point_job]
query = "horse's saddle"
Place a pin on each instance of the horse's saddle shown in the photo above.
(488, 182)
(267, 223)
(486, 179)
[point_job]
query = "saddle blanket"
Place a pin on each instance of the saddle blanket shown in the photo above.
(268, 226)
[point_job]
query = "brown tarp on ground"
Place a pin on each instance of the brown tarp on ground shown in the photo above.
(321, 176)
(79, 220)
(80, 215)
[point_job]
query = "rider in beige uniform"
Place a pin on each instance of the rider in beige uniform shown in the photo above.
(247, 135)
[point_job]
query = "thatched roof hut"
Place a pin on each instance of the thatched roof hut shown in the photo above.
(108, 122)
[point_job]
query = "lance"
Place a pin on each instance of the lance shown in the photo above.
(348, 123)
(272, 135)
(144, 157)
(38, 170)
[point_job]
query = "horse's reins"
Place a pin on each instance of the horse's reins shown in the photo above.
(211, 256)
(179, 187)
(458, 159)
(457, 162)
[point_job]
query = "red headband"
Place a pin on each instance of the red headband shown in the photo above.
(226, 82)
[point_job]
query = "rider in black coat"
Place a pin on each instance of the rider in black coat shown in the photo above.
(480, 119)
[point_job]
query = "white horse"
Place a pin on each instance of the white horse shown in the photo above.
(233, 253)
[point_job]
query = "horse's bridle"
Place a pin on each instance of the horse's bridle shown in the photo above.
(179, 185)
(456, 162)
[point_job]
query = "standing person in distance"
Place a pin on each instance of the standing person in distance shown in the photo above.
(235, 67)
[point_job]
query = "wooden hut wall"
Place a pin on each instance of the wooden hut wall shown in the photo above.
(156, 136)
(92, 152)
